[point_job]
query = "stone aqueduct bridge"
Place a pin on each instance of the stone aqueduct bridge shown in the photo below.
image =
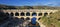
(28, 13)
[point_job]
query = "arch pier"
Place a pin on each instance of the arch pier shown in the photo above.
(28, 14)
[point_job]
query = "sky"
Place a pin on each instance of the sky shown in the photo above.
(31, 2)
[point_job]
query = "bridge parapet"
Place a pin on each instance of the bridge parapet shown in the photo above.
(27, 10)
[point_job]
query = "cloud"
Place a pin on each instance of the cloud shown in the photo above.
(51, 3)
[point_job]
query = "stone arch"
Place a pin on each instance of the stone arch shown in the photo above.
(7, 13)
(34, 14)
(50, 12)
(11, 14)
(22, 18)
(39, 14)
(27, 18)
(16, 14)
(45, 14)
(39, 18)
(27, 14)
(16, 17)
(22, 14)
(33, 20)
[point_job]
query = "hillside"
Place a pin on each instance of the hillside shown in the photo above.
(52, 21)
(27, 7)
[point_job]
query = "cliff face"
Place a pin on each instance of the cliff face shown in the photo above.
(27, 7)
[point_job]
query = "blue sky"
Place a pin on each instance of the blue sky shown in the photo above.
(31, 2)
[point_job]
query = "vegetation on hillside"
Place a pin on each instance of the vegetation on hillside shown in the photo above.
(27, 7)
(52, 20)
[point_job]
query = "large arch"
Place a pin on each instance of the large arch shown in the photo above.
(50, 12)
(27, 14)
(16, 18)
(34, 14)
(7, 14)
(33, 20)
(27, 18)
(45, 14)
(40, 14)
(11, 14)
(22, 14)
(39, 18)
(22, 18)
(16, 14)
